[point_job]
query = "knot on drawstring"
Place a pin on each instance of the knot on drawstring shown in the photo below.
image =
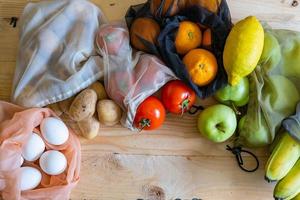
(194, 109)
(13, 21)
(237, 152)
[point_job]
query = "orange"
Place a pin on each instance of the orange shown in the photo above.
(211, 5)
(145, 28)
(201, 65)
(188, 37)
(170, 6)
(206, 41)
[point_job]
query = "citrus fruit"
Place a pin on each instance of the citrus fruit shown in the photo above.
(188, 37)
(243, 48)
(201, 65)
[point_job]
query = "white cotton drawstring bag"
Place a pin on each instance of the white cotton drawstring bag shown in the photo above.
(57, 53)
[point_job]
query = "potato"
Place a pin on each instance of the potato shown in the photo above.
(99, 89)
(84, 105)
(55, 109)
(65, 104)
(109, 113)
(89, 127)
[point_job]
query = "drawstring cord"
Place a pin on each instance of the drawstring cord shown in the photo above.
(194, 109)
(237, 152)
(13, 21)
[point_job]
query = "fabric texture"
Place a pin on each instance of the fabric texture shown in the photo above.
(130, 77)
(57, 56)
(274, 89)
(213, 14)
(16, 125)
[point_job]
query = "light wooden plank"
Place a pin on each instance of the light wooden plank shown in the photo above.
(111, 176)
(6, 77)
(187, 165)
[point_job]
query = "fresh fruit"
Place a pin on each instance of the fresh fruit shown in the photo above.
(297, 197)
(150, 114)
(237, 95)
(177, 97)
(118, 85)
(188, 37)
(111, 38)
(290, 51)
(288, 187)
(271, 54)
(243, 48)
(201, 65)
(283, 158)
(166, 7)
(217, 123)
(211, 5)
(281, 94)
(206, 41)
(144, 30)
(252, 133)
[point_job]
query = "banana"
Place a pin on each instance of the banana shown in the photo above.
(283, 158)
(289, 186)
(297, 197)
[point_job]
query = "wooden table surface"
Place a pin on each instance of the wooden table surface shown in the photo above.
(173, 162)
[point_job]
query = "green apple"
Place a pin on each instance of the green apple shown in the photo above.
(271, 54)
(217, 123)
(281, 94)
(253, 132)
(237, 95)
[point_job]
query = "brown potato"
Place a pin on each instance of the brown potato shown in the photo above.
(84, 105)
(99, 89)
(55, 108)
(65, 104)
(89, 127)
(109, 113)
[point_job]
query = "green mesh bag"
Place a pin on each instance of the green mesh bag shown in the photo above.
(274, 89)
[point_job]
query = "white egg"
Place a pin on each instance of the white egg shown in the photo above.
(21, 160)
(54, 131)
(30, 178)
(53, 162)
(34, 148)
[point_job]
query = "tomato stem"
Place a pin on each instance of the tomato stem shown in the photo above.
(144, 123)
(184, 105)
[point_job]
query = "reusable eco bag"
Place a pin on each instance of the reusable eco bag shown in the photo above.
(129, 77)
(16, 125)
(57, 54)
(274, 89)
(292, 124)
(212, 14)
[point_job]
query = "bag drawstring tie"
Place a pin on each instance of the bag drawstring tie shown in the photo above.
(237, 152)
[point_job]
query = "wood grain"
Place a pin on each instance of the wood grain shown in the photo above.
(173, 162)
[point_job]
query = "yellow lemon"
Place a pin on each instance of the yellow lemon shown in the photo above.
(243, 48)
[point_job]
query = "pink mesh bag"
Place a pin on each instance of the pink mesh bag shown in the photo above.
(16, 124)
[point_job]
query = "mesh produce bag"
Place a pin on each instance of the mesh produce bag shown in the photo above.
(129, 78)
(57, 56)
(213, 14)
(274, 89)
(16, 125)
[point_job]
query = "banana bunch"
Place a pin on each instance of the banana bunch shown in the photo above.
(284, 166)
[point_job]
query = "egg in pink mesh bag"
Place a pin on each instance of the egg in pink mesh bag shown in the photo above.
(16, 127)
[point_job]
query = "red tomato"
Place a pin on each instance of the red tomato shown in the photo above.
(177, 97)
(150, 114)
(111, 37)
(119, 85)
